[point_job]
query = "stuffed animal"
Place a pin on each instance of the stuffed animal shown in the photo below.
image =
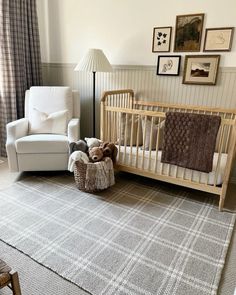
(95, 154)
(109, 150)
(93, 142)
(77, 156)
(79, 145)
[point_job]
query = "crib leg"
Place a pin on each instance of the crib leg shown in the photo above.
(221, 203)
(222, 196)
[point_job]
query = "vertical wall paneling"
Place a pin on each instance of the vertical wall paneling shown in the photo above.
(147, 86)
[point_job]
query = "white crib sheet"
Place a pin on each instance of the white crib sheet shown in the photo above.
(174, 171)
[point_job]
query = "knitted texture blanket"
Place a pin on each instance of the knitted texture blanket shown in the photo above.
(99, 175)
(190, 139)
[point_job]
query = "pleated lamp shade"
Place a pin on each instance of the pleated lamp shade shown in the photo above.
(94, 61)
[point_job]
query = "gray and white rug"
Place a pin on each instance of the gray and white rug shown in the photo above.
(138, 237)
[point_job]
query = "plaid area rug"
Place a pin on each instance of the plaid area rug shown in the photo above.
(138, 237)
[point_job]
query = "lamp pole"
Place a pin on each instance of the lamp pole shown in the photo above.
(94, 102)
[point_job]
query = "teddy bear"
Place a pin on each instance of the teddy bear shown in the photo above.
(109, 150)
(79, 145)
(92, 142)
(95, 154)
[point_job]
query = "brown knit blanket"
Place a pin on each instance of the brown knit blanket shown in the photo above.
(189, 140)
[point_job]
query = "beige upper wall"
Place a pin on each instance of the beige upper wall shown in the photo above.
(122, 28)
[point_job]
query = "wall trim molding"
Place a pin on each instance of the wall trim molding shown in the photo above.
(127, 67)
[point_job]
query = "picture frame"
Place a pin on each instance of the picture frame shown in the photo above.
(168, 65)
(201, 69)
(218, 39)
(161, 39)
(188, 32)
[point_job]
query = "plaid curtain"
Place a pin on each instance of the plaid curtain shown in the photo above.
(20, 62)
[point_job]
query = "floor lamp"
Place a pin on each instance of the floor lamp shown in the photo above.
(94, 61)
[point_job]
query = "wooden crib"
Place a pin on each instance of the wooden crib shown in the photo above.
(130, 123)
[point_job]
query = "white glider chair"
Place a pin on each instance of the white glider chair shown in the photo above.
(40, 141)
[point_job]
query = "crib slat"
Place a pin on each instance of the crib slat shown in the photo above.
(119, 142)
(144, 141)
(157, 143)
(137, 141)
(219, 154)
(125, 140)
(131, 140)
(108, 127)
(150, 143)
(228, 135)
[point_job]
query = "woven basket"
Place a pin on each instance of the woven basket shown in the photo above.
(80, 176)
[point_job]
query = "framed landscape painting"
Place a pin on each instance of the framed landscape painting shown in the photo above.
(201, 69)
(168, 65)
(188, 32)
(218, 39)
(161, 39)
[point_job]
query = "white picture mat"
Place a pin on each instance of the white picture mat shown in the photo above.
(165, 46)
(163, 67)
(212, 70)
(218, 39)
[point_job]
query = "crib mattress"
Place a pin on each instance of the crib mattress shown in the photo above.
(125, 157)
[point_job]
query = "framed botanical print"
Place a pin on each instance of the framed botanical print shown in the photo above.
(218, 39)
(168, 65)
(188, 32)
(161, 39)
(201, 69)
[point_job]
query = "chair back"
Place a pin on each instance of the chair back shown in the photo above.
(52, 99)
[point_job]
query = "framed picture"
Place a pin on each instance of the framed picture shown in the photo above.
(218, 39)
(168, 65)
(188, 32)
(201, 69)
(161, 39)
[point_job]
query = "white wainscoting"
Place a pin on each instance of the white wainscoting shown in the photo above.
(147, 86)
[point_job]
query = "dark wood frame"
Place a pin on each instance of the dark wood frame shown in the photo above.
(13, 283)
(187, 57)
(200, 38)
(170, 28)
(158, 62)
(216, 29)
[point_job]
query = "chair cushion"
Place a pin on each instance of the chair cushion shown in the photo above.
(42, 143)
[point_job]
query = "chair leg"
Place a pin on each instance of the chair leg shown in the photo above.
(15, 283)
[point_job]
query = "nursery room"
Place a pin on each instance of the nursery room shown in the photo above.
(117, 142)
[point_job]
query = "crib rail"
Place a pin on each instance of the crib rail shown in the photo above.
(125, 99)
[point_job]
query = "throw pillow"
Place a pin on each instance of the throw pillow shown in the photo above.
(154, 134)
(127, 129)
(55, 123)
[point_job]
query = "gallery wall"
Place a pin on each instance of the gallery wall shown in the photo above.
(122, 28)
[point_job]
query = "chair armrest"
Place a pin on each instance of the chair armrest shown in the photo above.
(15, 130)
(73, 130)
